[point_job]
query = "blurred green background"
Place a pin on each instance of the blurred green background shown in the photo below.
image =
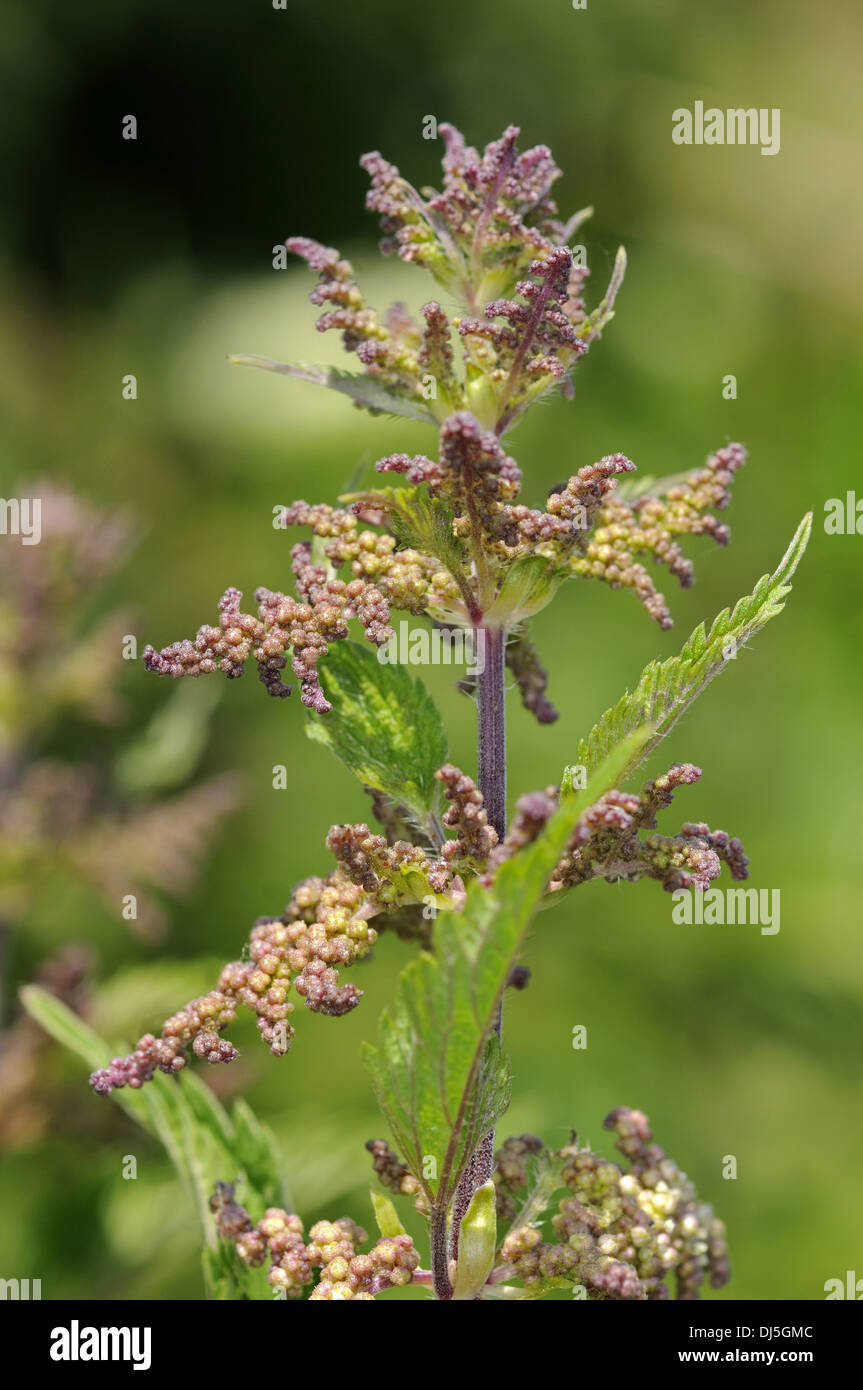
(154, 258)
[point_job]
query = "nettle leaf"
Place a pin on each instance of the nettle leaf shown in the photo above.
(543, 1181)
(228, 1278)
(205, 1144)
(383, 725)
(365, 390)
(593, 323)
(667, 688)
(165, 754)
(257, 1152)
(424, 523)
(439, 1074)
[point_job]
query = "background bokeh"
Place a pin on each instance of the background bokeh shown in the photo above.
(154, 258)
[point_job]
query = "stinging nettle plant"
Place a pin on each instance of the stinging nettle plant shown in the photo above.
(451, 542)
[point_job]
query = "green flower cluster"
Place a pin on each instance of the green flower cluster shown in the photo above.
(616, 1234)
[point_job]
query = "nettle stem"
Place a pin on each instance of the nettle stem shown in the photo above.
(440, 1253)
(491, 781)
(491, 725)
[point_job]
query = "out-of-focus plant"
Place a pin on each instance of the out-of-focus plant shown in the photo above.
(128, 832)
(131, 831)
(452, 542)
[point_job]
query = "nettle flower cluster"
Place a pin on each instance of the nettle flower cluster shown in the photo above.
(612, 1234)
(445, 544)
(616, 1234)
(447, 538)
(381, 883)
(331, 1250)
(455, 545)
(474, 539)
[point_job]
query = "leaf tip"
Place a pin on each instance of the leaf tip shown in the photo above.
(386, 1216)
(794, 554)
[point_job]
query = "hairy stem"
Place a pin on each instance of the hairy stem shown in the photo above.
(491, 780)
(491, 726)
(482, 573)
(440, 1254)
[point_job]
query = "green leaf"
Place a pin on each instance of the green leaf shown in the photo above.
(66, 1028)
(367, 391)
(169, 749)
(667, 689)
(386, 1216)
(424, 523)
(258, 1155)
(477, 1242)
(204, 1143)
(438, 1071)
(226, 1277)
(383, 725)
(543, 1182)
(592, 325)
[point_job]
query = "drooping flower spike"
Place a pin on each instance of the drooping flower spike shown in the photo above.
(493, 241)
(381, 883)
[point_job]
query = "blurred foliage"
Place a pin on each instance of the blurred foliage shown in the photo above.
(155, 258)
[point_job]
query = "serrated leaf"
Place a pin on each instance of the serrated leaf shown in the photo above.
(165, 1107)
(594, 322)
(205, 1153)
(258, 1154)
(667, 689)
(204, 1143)
(424, 523)
(573, 775)
(367, 391)
(227, 1277)
(438, 1071)
(383, 725)
(542, 1182)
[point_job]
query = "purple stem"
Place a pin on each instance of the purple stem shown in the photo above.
(491, 780)
(439, 1254)
(491, 719)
